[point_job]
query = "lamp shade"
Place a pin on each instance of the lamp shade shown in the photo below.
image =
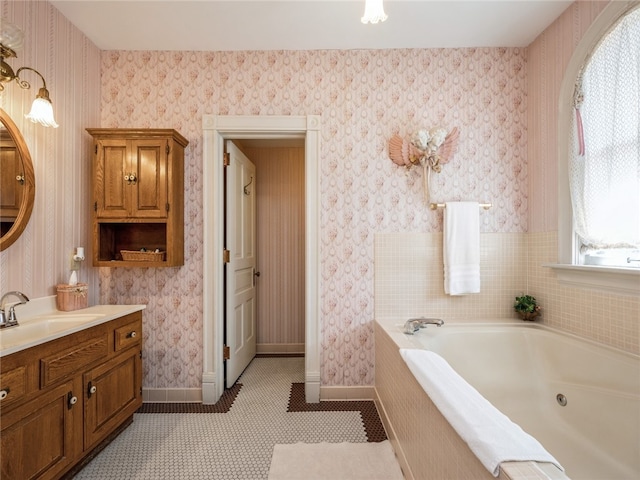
(373, 12)
(42, 110)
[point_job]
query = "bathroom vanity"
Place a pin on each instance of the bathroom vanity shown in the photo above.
(68, 381)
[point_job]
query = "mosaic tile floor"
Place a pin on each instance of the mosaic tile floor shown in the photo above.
(229, 446)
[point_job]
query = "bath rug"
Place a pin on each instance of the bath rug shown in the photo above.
(335, 461)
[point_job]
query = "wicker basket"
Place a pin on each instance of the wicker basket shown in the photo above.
(139, 256)
(72, 297)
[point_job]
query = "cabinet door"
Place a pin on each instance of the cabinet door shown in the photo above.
(112, 179)
(37, 439)
(112, 394)
(149, 165)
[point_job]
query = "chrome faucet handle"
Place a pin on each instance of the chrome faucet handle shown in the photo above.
(414, 324)
(411, 326)
(12, 315)
(11, 320)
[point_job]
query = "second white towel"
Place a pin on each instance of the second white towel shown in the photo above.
(461, 248)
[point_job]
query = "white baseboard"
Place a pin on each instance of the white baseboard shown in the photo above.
(280, 348)
(172, 395)
(347, 393)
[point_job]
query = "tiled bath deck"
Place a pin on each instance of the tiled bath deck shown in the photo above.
(268, 410)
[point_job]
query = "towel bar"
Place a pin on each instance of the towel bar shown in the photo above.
(433, 206)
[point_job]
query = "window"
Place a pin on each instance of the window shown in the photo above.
(604, 152)
(572, 269)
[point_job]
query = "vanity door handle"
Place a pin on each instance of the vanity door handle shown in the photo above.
(4, 393)
(71, 400)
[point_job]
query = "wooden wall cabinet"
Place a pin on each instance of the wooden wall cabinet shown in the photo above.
(63, 398)
(138, 196)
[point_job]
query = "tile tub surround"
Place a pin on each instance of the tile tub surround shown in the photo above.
(409, 282)
(426, 444)
(409, 277)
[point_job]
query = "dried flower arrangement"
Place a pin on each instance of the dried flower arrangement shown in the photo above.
(427, 148)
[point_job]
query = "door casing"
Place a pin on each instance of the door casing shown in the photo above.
(217, 129)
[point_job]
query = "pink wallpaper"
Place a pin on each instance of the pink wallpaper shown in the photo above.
(363, 97)
(548, 57)
(70, 64)
(502, 100)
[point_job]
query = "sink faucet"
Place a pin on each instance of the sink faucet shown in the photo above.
(11, 320)
(414, 324)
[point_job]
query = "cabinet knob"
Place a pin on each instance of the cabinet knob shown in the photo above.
(91, 389)
(4, 393)
(71, 400)
(131, 334)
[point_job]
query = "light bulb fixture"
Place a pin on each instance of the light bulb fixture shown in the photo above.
(11, 38)
(373, 12)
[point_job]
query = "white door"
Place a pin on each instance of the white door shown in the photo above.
(240, 240)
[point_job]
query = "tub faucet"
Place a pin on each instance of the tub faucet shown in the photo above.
(414, 324)
(8, 319)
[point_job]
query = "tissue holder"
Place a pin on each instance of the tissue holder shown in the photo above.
(72, 297)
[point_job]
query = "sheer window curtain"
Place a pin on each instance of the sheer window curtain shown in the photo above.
(604, 166)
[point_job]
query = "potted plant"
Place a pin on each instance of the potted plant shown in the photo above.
(527, 307)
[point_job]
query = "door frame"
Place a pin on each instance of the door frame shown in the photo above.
(216, 129)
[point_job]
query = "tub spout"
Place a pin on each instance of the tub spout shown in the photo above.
(414, 324)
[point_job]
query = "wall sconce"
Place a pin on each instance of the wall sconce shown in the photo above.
(373, 12)
(11, 38)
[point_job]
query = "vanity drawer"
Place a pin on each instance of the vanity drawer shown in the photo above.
(13, 385)
(73, 359)
(127, 335)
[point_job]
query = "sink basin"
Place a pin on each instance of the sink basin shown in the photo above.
(43, 326)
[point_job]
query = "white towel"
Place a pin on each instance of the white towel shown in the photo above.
(491, 436)
(461, 248)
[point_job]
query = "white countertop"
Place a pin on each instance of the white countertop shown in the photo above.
(40, 322)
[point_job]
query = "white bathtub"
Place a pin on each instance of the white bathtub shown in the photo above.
(521, 368)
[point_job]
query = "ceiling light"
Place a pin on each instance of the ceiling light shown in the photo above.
(373, 12)
(11, 38)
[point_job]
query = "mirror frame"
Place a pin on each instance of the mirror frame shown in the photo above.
(28, 197)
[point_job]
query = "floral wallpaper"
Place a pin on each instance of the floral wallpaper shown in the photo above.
(503, 101)
(364, 97)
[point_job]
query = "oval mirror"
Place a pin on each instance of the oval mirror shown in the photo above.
(17, 182)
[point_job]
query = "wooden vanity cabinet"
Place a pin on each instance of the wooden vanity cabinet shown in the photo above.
(138, 195)
(39, 438)
(64, 397)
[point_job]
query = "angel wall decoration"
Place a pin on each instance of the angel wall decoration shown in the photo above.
(429, 148)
